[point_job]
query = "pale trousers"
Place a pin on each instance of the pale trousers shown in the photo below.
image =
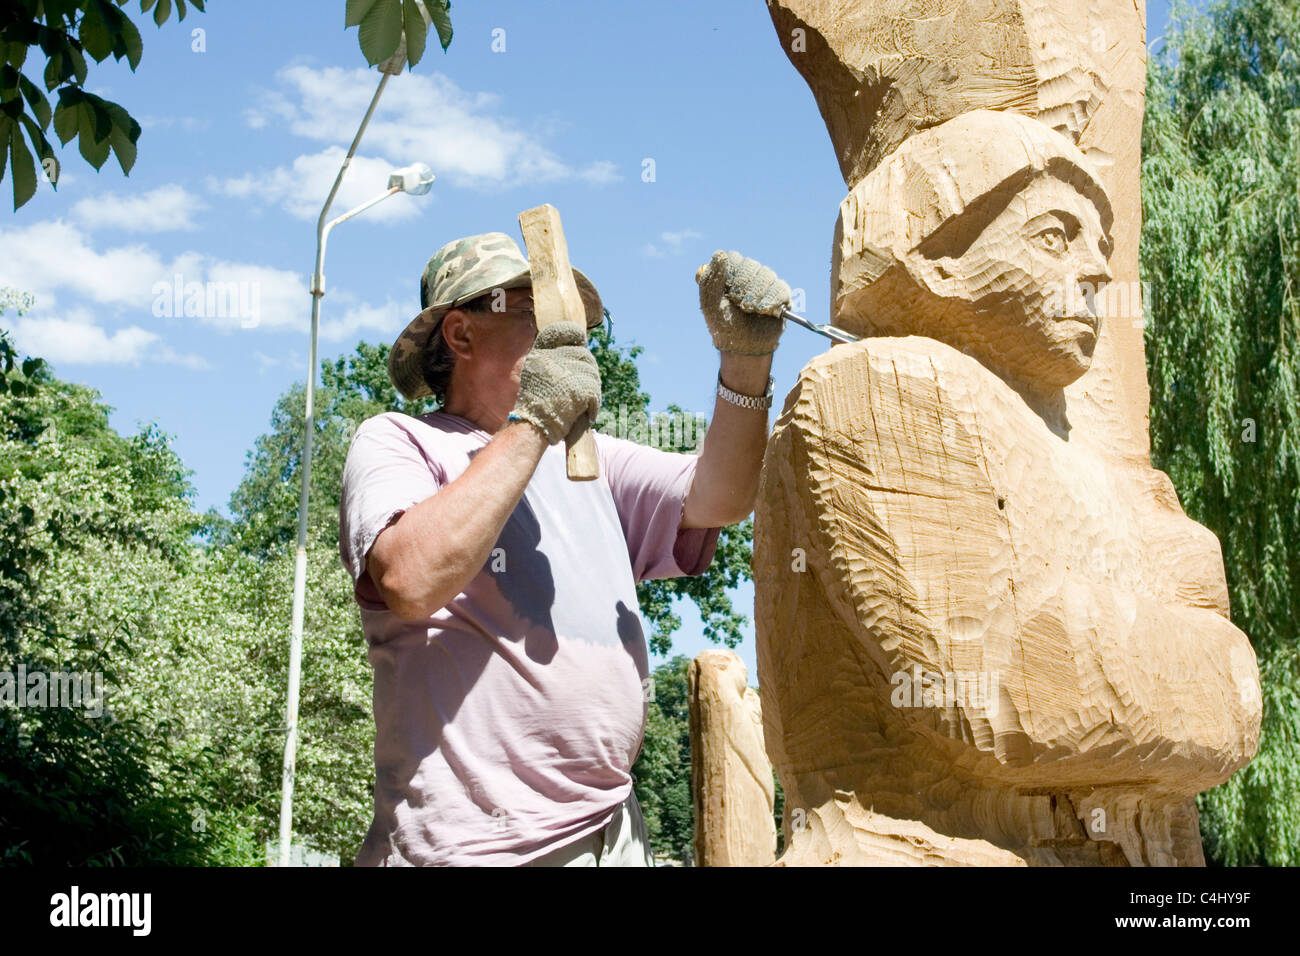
(622, 842)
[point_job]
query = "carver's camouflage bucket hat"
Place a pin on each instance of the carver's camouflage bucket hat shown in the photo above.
(458, 272)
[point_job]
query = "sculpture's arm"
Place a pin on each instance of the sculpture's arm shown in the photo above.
(1087, 666)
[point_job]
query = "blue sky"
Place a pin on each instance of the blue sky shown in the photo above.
(242, 140)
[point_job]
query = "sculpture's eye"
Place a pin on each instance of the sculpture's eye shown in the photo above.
(1053, 240)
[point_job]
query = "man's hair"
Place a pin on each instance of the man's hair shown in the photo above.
(436, 360)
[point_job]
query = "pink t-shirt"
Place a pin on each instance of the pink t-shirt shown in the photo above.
(506, 724)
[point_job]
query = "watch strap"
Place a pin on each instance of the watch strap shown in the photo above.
(756, 402)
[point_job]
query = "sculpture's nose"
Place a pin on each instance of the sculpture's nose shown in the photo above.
(1094, 269)
(1093, 275)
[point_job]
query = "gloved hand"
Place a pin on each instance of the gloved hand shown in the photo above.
(559, 381)
(741, 300)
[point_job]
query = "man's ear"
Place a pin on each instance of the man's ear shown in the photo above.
(458, 333)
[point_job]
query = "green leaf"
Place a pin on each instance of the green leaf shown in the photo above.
(123, 136)
(381, 31)
(50, 40)
(78, 64)
(6, 128)
(417, 32)
(15, 53)
(94, 33)
(40, 105)
(98, 108)
(65, 120)
(31, 365)
(162, 12)
(65, 10)
(146, 4)
(22, 168)
(54, 71)
(356, 12)
(42, 145)
(438, 12)
(131, 42)
(93, 148)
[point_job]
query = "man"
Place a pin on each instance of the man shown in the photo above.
(498, 598)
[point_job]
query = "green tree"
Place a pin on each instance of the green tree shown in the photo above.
(99, 573)
(662, 772)
(1221, 255)
(94, 527)
(64, 32)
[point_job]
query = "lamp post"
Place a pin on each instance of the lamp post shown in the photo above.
(417, 180)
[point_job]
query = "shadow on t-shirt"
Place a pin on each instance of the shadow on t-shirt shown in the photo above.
(629, 628)
(523, 576)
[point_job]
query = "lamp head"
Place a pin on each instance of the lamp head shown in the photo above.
(416, 179)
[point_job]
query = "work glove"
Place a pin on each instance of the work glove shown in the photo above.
(559, 382)
(741, 301)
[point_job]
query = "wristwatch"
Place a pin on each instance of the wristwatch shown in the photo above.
(757, 402)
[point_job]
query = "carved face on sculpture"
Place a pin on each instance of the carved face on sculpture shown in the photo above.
(990, 233)
(1031, 277)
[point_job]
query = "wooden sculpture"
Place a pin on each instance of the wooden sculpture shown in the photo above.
(731, 777)
(987, 632)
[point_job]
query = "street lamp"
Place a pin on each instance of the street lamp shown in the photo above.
(416, 180)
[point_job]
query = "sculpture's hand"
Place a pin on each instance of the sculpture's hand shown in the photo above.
(742, 301)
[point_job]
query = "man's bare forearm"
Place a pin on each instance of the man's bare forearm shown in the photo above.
(726, 478)
(436, 547)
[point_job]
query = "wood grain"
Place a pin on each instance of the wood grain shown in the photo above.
(556, 299)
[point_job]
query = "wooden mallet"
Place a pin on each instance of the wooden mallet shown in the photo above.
(556, 299)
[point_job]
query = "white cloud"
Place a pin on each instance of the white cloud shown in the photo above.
(278, 298)
(463, 136)
(47, 258)
(78, 287)
(77, 340)
(301, 189)
(168, 356)
(54, 259)
(387, 319)
(674, 241)
(161, 209)
(600, 173)
(189, 124)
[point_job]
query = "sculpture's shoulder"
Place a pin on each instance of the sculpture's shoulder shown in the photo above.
(909, 368)
(911, 358)
(908, 391)
(919, 438)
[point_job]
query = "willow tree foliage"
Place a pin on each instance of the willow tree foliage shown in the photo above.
(1221, 258)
